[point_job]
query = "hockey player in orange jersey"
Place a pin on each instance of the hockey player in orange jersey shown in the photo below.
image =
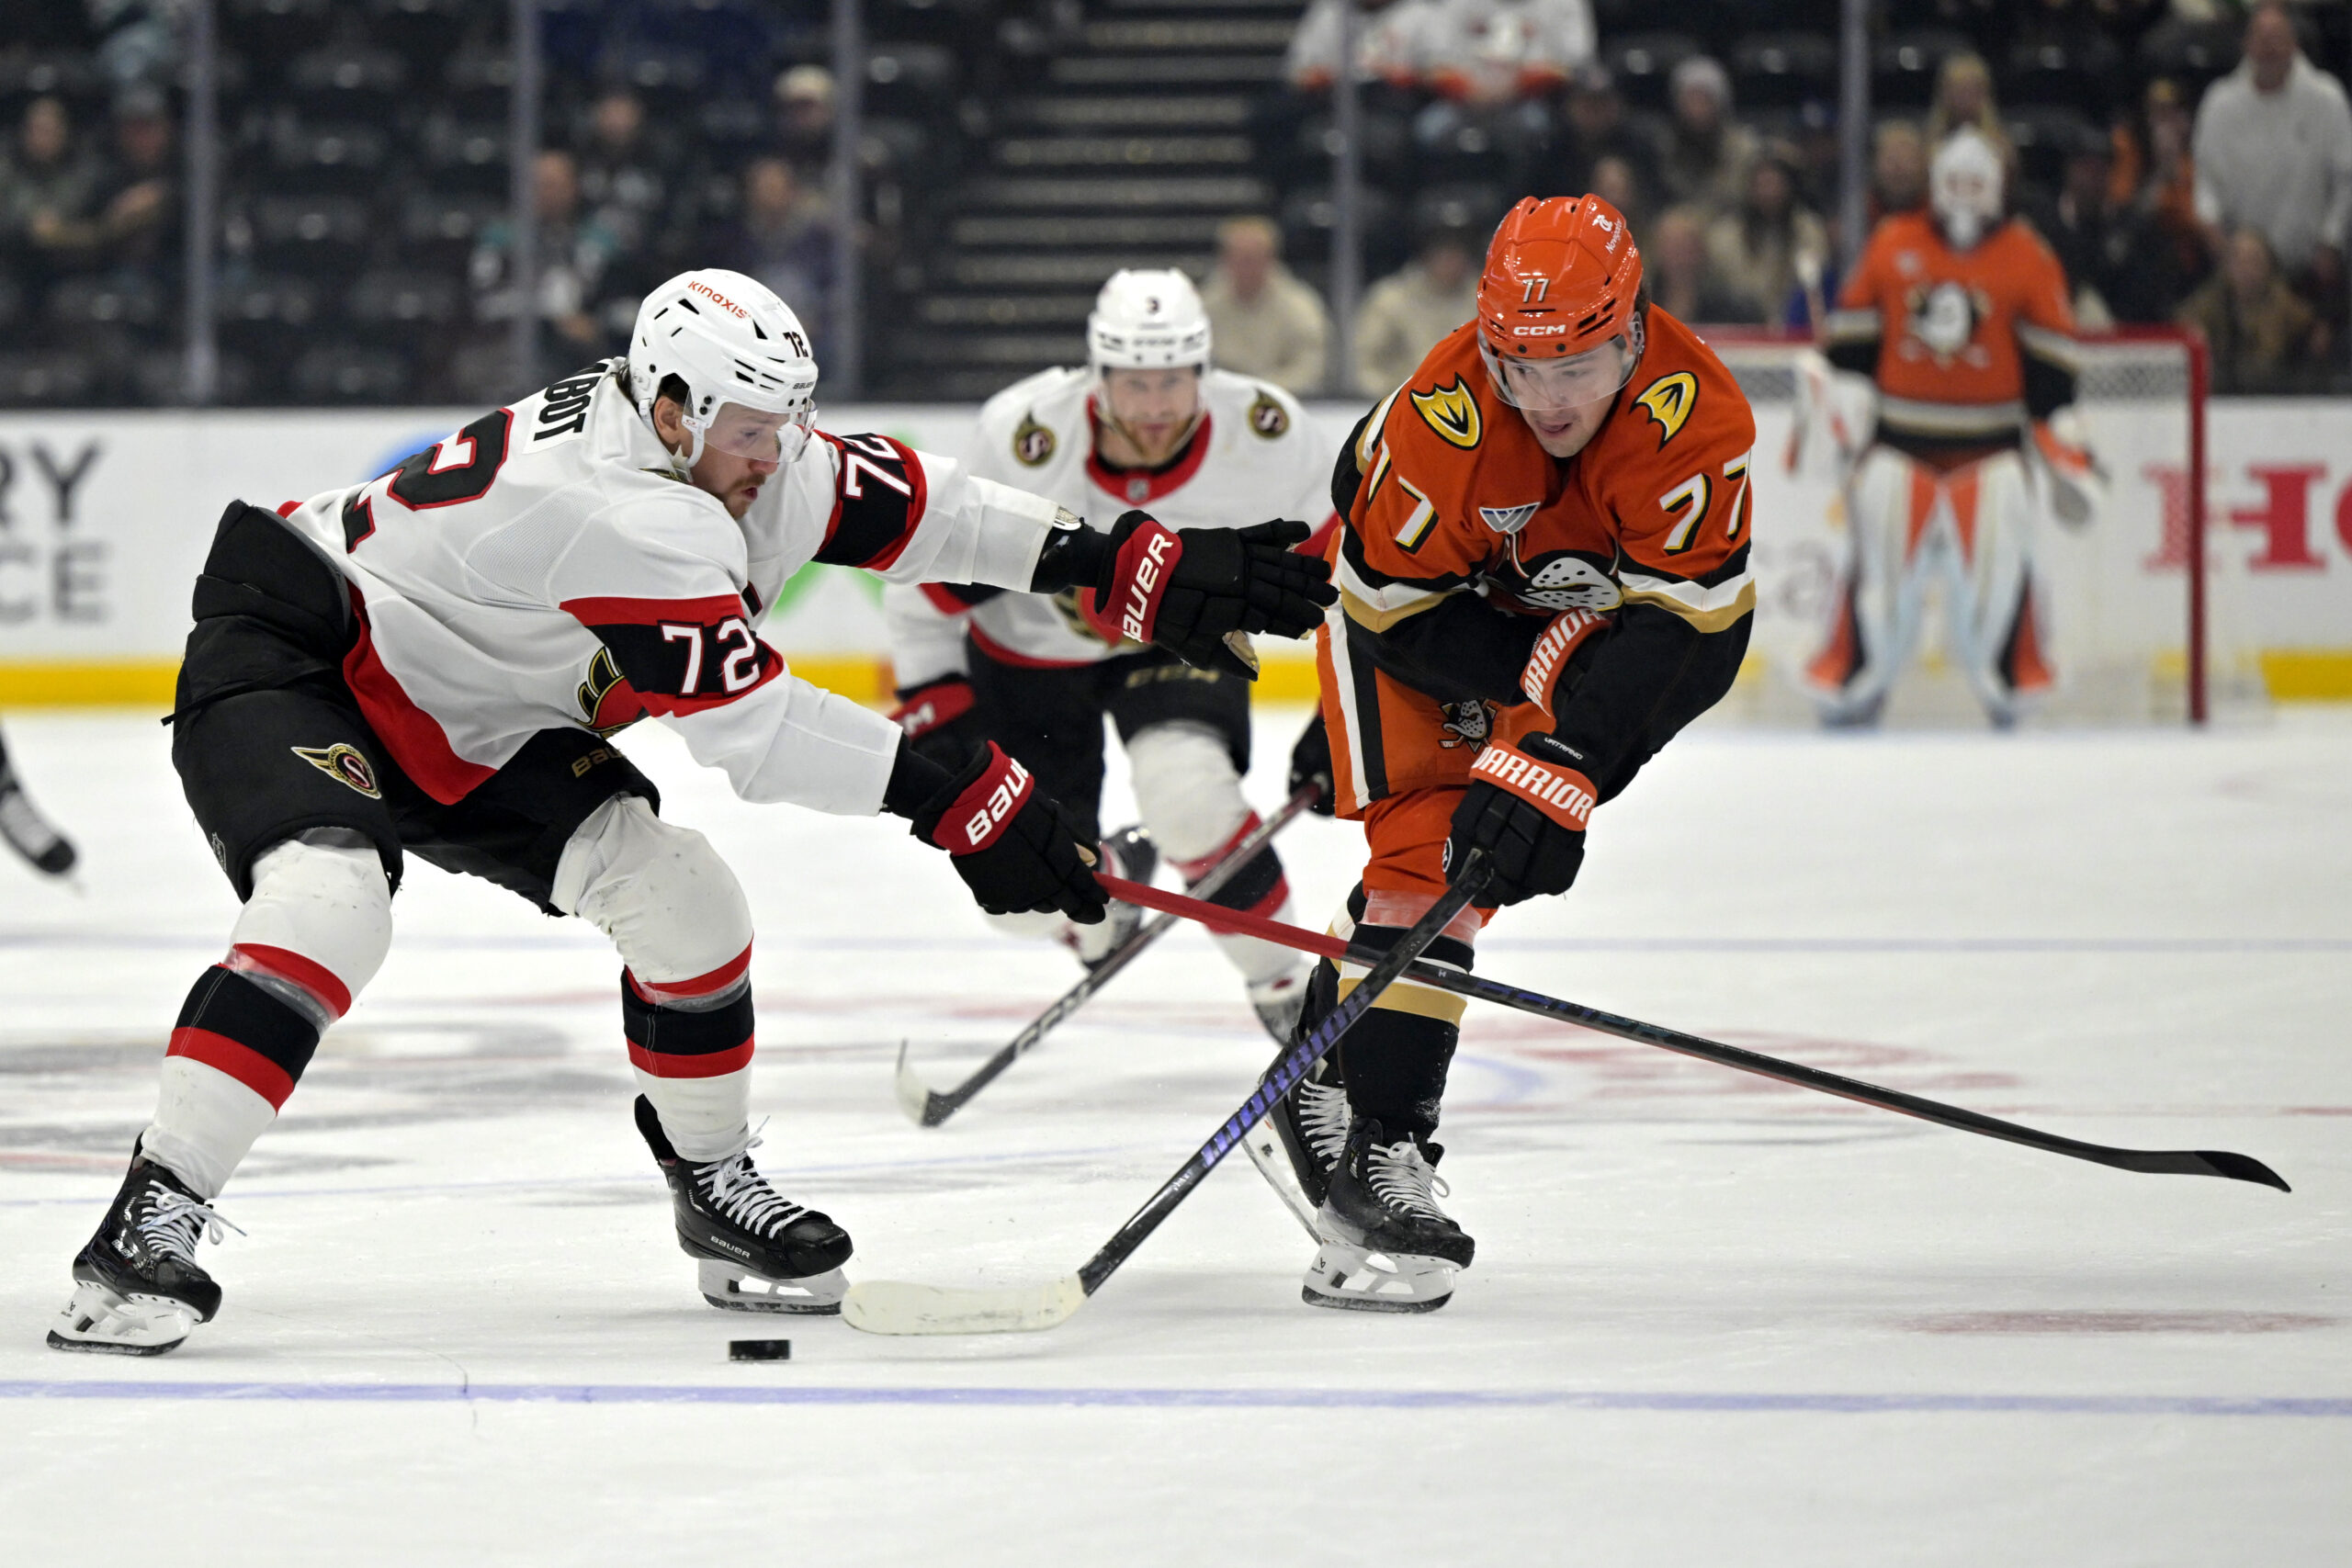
(1959, 319)
(1543, 572)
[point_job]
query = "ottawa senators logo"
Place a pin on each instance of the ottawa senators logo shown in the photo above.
(1670, 401)
(344, 765)
(1033, 443)
(1268, 417)
(1452, 412)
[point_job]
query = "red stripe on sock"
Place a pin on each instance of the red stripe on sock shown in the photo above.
(242, 1063)
(1274, 899)
(308, 972)
(712, 1065)
(1191, 871)
(718, 979)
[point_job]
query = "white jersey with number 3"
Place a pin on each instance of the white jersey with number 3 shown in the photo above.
(1255, 457)
(542, 567)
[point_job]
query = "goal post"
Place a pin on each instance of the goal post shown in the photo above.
(2141, 623)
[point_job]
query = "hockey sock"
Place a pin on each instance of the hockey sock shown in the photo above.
(236, 1052)
(1395, 1058)
(693, 1059)
(1257, 888)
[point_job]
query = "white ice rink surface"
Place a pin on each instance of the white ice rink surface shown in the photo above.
(1713, 1320)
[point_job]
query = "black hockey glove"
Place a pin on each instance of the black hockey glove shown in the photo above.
(1200, 592)
(1526, 807)
(1015, 850)
(938, 720)
(1311, 763)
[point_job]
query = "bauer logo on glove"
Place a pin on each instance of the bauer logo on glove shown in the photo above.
(984, 809)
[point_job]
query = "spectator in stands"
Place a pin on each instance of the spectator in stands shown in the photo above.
(1486, 52)
(1620, 184)
(1964, 97)
(2092, 242)
(2273, 148)
(1707, 152)
(132, 217)
(46, 190)
(785, 240)
(803, 115)
(1262, 321)
(2263, 338)
(621, 174)
(1760, 251)
(1898, 170)
(1382, 52)
(575, 254)
(2154, 184)
(1679, 277)
(1406, 313)
(1594, 126)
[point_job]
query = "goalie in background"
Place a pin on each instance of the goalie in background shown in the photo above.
(1964, 436)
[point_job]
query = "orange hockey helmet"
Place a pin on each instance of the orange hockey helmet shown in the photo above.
(1557, 323)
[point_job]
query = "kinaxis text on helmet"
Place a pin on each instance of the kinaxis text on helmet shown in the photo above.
(699, 286)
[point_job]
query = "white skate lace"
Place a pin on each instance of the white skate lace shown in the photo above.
(743, 1195)
(175, 1223)
(1323, 1117)
(1402, 1179)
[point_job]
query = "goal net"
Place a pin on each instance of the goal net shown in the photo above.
(2141, 626)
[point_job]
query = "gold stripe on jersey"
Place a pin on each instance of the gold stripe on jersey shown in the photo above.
(1406, 996)
(1379, 608)
(1709, 609)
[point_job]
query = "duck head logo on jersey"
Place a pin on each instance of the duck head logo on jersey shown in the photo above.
(1268, 417)
(1943, 320)
(1466, 724)
(1452, 412)
(1558, 579)
(1033, 443)
(344, 763)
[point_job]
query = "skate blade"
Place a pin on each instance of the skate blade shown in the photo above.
(726, 1287)
(99, 1320)
(1264, 1147)
(1351, 1279)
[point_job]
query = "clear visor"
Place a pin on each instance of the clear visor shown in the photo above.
(1551, 386)
(757, 433)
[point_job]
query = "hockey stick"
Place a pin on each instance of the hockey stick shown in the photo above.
(883, 1306)
(929, 1107)
(2183, 1162)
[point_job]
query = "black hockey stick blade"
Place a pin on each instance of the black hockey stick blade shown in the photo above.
(2201, 1162)
(928, 1106)
(884, 1306)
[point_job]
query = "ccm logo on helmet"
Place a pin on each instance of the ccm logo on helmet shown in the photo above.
(983, 824)
(698, 287)
(1549, 329)
(1147, 582)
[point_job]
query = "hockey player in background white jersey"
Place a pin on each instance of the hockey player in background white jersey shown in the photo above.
(431, 662)
(1148, 423)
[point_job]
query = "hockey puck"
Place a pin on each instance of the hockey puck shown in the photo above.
(759, 1349)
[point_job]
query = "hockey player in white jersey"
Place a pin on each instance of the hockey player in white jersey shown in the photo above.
(431, 662)
(1148, 423)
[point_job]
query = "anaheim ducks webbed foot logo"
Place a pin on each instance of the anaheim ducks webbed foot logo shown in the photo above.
(344, 763)
(1452, 412)
(1669, 400)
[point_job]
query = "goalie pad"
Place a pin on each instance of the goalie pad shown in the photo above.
(1836, 415)
(2068, 484)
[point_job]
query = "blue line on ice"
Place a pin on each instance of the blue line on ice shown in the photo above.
(1203, 1398)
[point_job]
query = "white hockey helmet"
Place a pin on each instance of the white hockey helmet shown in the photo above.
(751, 379)
(1148, 320)
(1964, 187)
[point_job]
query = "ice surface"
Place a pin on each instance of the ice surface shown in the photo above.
(1713, 1320)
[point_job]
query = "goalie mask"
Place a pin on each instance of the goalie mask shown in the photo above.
(750, 379)
(1965, 189)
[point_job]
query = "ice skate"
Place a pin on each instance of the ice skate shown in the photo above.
(1137, 858)
(1279, 1001)
(757, 1250)
(1299, 1144)
(137, 1288)
(29, 832)
(1387, 1246)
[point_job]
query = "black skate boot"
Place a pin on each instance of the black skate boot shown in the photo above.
(758, 1250)
(1387, 1246)
(1136, 858)
(137, 1288)
(1298, 1145)
(29, 832)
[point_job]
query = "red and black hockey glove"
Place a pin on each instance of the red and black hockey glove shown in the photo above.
(1311, 763)
(1526, 807)
(1199, 593)
(1017, 851)
(1549, 673)
(940, 721)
